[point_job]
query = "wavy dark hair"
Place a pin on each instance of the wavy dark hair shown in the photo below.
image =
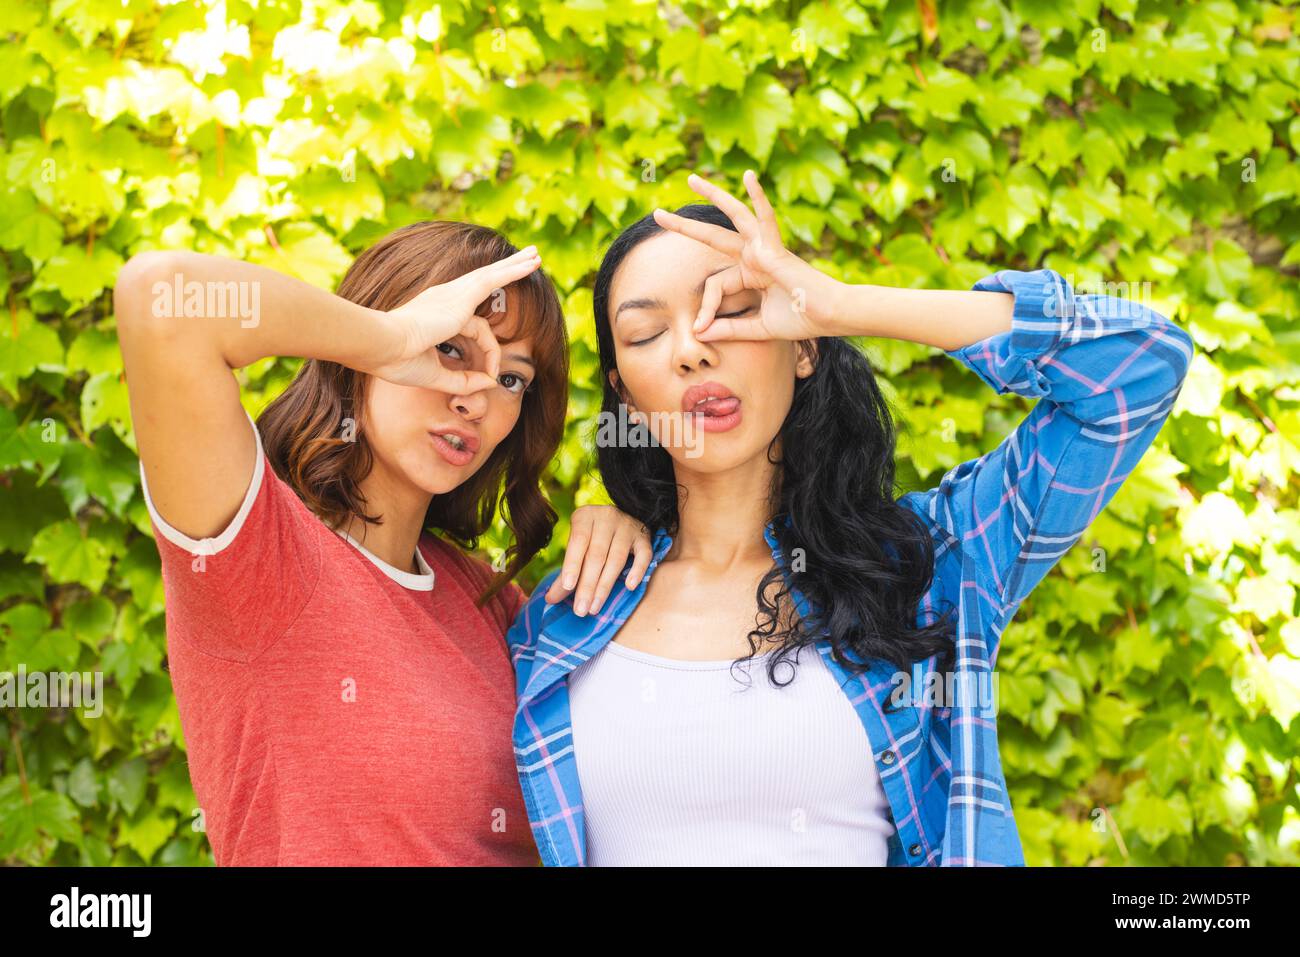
(301, 428)
(835, 483)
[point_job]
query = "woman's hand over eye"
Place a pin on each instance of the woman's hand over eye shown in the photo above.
(445, 312)
(796, 296)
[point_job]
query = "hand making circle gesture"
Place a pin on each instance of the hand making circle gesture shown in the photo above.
(441, 313)
(795, 295)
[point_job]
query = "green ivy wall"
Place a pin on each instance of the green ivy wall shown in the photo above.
(1151, 684)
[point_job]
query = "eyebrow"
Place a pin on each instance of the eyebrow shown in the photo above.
(659, 303)
(519, 358)
(639, 304)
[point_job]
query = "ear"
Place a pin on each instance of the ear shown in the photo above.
(807, 361)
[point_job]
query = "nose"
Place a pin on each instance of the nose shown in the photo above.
(689, 353)
(471, 406)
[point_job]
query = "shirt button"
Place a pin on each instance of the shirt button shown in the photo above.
(887, 757)
(915, 850)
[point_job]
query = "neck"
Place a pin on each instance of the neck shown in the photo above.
(723, 514)
(403, 511)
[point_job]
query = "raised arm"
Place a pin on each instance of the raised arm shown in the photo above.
(186, 320)
(1106, 372)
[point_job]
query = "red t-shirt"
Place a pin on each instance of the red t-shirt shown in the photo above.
(338, 710)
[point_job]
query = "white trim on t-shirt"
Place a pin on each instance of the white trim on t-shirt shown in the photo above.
(420, 582)
(213, 545)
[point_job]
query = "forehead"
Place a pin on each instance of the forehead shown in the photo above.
(511, 326)
(668, 267)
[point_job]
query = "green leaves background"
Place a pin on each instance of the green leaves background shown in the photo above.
(1151, 684)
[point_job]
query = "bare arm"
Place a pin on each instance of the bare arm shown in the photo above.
(801, 302)
(944, 318)
(191, 431)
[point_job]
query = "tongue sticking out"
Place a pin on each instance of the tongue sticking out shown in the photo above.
(716, 407)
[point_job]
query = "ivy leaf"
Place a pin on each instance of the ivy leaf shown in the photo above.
(704, 61)
(27, 508)
(133, 651)
(508, 51)
(25, 346)
(69, 556)
(1151, 816)
(145, 833)
(963, 152)
(1220, 273)
(24, 226)
(810, 174)
(763, 110)
(106, 471)
(637, 105)
(36, 446)
(549, 109)
(127, 783)
(104, 401)
(83, 785)
(306, 251)
(469, 141)
(27, 824)
(94, 351)
(830, 26)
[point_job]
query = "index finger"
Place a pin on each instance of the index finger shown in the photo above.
(737, 211)
(716, 237)
(484, 280)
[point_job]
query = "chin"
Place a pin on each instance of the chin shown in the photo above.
(437, 477)
(717, 456)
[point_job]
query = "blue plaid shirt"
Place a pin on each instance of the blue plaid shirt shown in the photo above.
(1107, 371)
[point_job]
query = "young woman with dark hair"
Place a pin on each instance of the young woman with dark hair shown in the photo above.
(770, 485)
(340, 669)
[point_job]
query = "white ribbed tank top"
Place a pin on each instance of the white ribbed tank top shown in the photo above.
(686, 763)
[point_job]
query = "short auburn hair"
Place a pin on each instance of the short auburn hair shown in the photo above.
(301, 428)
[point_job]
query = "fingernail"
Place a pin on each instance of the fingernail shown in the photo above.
(570, 582)
(580, 608)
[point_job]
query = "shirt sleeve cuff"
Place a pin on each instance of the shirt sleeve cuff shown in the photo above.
(215, 544)
(1042, 320)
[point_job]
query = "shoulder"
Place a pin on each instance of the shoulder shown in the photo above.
(446, 558)
(472, 576)
(534, 612)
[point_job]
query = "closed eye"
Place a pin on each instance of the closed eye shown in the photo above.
(732, 315)
(641, 342)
